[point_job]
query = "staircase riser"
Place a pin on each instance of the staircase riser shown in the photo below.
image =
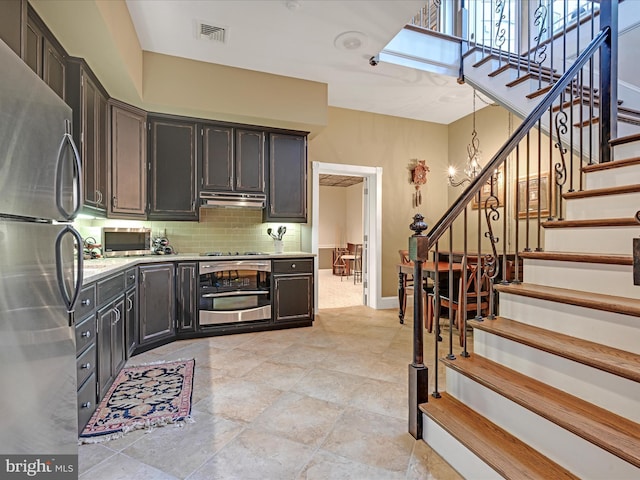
(615, 177)
(608, 391)
(602, 240)
(548, 438)
(467, 463)
(589, 277)
(612, 329)
(610, 206)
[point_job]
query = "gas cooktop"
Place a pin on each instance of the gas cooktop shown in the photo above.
(229, 254)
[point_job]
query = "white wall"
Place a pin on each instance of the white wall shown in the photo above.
(340, 216)
(332, 217)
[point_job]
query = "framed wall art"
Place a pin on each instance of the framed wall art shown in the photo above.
(538, 195)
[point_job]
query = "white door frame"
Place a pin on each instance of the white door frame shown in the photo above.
(373, 231)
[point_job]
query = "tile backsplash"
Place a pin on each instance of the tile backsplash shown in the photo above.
(219, 229)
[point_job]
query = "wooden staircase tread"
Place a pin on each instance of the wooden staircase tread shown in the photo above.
(596, 301)
(626, 139)
(609, 259)
(610, 165)
(609, 431)
(502, 451)
(598, 222)
(598, 192)
(602, 357)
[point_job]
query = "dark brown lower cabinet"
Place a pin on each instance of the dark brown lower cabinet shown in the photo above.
(111, 345)
(293, 290)
(131, 320)
(157, 304)
(186, 295)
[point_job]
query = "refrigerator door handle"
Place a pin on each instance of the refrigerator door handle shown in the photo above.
(67, 139)
(69, 300)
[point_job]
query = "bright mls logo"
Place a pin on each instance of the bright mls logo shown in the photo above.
(58, 467)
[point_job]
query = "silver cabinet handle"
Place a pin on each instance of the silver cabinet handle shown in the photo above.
(293, 265)
(86, 334)
(117, 312)
(129, 304)
(86, 302)
(86, 405)
(85, 366)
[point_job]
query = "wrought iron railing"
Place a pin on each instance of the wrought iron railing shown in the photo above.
(517, 192)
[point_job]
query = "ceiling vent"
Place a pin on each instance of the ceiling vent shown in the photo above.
(211, 32)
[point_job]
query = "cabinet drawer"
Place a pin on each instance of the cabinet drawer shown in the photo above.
(295, 265)
(110, 287)
(85, 333)
(86, 401)
(86, 364)
(86, 301)
(130, 277)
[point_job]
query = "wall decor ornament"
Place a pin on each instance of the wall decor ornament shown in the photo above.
(419, 171)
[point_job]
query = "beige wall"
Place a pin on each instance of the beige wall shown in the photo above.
(366, 139)
(332, 217)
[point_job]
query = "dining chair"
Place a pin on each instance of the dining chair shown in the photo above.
(464, 299)
(357, 263)
(340, 266)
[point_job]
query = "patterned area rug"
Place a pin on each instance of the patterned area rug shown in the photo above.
(143, 396)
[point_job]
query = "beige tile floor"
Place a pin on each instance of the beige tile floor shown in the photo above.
(323, 402)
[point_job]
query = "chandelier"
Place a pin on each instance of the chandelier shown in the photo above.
(473, 165)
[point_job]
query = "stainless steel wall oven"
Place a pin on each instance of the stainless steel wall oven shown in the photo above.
(233, 291)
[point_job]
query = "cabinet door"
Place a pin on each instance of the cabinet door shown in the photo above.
(33, 45)
(173, 170)
(187, 292)
(293, 297)
(287, 178)
(128, 162)
(105, 317)
(131, 321)
(53, 67)
(89, 148)
(156, 302)
(249, 161)
(13, 18)
(118, 345)
(111, 344)
(217, 158)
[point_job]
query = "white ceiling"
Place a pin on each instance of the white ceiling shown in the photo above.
(297, 38)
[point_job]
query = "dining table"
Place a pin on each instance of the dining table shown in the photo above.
(429, 269)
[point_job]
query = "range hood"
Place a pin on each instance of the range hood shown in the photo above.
(232, 200)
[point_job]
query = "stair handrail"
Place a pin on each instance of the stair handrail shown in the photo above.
(446, 221)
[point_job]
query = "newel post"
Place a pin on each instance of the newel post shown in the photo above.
(418, 373)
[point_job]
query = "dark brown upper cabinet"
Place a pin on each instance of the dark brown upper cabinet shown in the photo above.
(249, 161)
(173, 170)
(88, 99)
(287, 198)
(44, 54)
(128, 173)
(217, 158)
(232, 159)
(12, 21)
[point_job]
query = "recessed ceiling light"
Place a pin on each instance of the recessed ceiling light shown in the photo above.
(350, 41)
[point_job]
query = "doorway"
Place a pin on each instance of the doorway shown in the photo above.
(372, 203)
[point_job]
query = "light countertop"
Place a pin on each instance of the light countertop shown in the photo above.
(99, 268)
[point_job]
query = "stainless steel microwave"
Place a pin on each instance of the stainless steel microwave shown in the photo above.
(124, 242)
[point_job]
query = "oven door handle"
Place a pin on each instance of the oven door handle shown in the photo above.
(234, 294)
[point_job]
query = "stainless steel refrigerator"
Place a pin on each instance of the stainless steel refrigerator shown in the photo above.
(40, 268)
